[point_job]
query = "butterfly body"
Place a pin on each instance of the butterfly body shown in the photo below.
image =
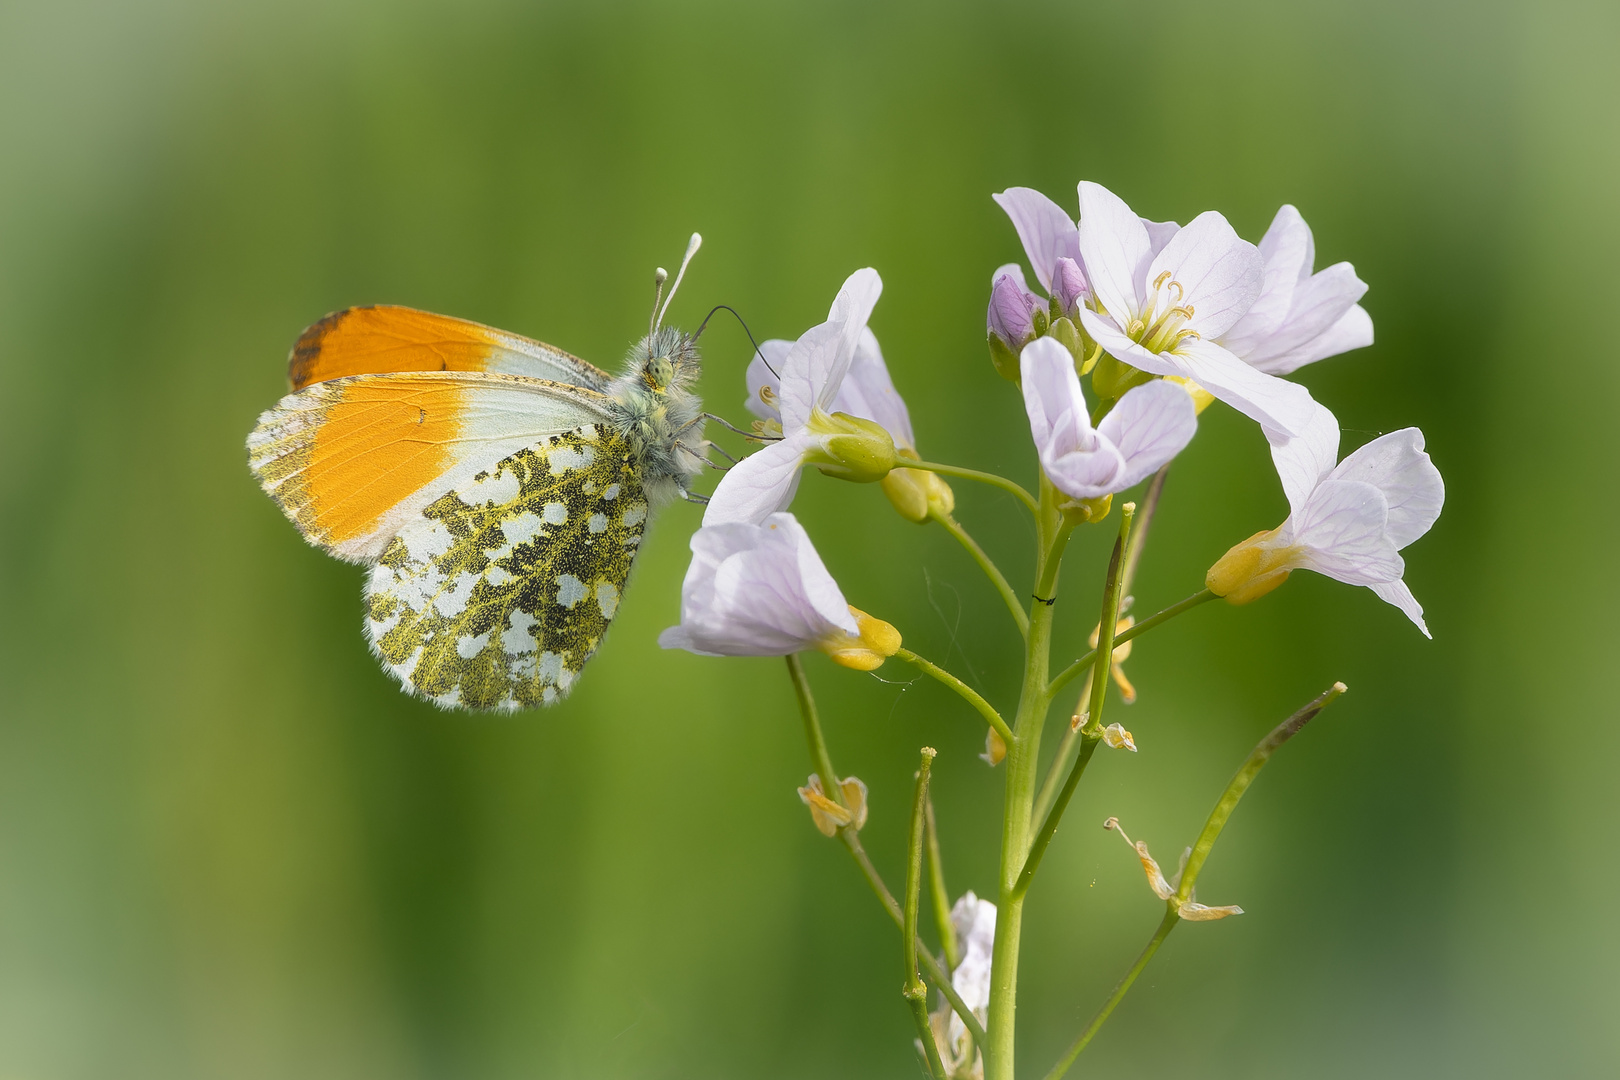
(497, 488)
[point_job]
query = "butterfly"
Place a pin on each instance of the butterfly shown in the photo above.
(496, 487)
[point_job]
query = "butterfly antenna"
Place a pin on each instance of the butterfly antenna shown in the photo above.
(660, 276)
(692, 246)
(757, 351)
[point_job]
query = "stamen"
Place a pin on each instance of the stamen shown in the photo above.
(1158, 282)
(1135, 329)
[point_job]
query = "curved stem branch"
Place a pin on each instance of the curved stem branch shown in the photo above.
(967, 692)
(1168, 924)
(1080, 666)
(983, 477)
(990, 569)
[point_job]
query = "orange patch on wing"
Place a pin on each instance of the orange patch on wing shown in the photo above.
(387, 338)
(381, 441)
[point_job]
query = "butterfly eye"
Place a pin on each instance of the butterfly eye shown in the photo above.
(659, 372)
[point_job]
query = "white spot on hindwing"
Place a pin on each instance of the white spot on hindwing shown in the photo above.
(607, 598)
(469, 647)
(554, 513)
(567, 458)
(597, 524)
(570, 590)
(499, 489)
(518, 640)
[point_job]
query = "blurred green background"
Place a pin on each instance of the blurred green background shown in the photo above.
(229, 847)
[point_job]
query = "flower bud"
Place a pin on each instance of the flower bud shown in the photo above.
(916, 494)
(1010, 323)
(851, 448)
(877, 641)
(827, 814)
(1080, 511)
(1068, 335)
(1069, 286)
(1253, 568)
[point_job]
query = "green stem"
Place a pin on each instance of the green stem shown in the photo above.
(812, 731)
(1240, 783)
(1023, 759)
(983, 477)
(990, 569)
(1092, 733)
(915, 993)
(967, 692)
(1189, 875)
(939, 894)
(834, 791)
(1061, 760)
(1080, 666)
(925, 959)
(1165, 926)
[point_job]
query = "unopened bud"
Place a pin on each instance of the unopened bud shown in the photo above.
(1081, 511)
(1068, 335)
(877, 641)
(1069, 286)
(1010, 324)
(851, 448)
(915, 493)
(828, 815)
(1253, 568)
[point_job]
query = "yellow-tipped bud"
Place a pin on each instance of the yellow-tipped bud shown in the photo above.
(851, 448)
(1202, 399)
(826, 813)
(917, 494)
(877, 642)
(1251, 569)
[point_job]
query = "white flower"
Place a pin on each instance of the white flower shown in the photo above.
(1299, 317)
(1162, 311)
(867, 390)
(761, 590)
(974, 921)
(1149, 426)
(813, 371)
(1348, 521)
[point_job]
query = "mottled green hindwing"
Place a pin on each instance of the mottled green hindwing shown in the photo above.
(499, 593)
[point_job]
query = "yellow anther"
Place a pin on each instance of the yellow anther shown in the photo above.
(877, 642)
(1158, 282)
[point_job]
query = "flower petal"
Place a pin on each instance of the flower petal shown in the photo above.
(1150, 425)
(851, 309)
(1220, 273)
(1303, 460)
(1397, 465)
(1288, 251)
(1160, 233)
(1395, 592)
(760, 484)
(1342, 532)
(1276, 403)
(1115, 250)
(1318, 303)
(1106, 333)
(1044, 227)
(1354, 330)
(763, 371)
(868, 392)
(1053, 399)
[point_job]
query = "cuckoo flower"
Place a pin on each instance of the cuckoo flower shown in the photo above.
(974, 921)
(1348, 521)
(1299, 317)
(1149, 426)
(813, 372)
(1162, 312)
(761, 590)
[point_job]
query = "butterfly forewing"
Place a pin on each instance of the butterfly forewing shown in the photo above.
(497, 594)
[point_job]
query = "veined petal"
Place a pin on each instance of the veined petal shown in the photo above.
(1150, 425)
(1276, 403)
(772, 354)
(1303, 460)
(1395, 592)
(868, 392)
(1397, 465)
(805, 372)
(851, 309)
(1053, 399)
(1288, 244)
(1115, 250)
(1354, 330)
(1318, 303)
(1160, 233)
(1045, 229)
(1219, 272)
(760, 484)
(1342, 533)
(1288, 250)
